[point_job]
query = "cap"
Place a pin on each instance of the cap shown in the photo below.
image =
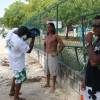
(34, 32)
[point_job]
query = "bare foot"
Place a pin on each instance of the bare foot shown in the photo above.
(53, 90)
(46, 85)
(12, 93)
(19, 98)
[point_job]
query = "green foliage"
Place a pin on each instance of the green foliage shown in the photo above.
(33, 10)
(14, 15)
(69, 11)
(1, 21)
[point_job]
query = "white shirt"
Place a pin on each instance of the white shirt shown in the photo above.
(17, 48)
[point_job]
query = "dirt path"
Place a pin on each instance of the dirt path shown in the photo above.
(31, 89)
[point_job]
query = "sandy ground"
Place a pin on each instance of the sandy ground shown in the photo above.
(32, 88)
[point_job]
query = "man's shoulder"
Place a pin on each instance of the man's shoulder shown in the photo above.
(56, 35)
(16, 39)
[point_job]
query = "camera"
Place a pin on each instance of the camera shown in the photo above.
(34, 32)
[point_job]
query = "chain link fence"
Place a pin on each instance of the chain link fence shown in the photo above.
(71, 31)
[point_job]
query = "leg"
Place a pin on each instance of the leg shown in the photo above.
(47, 81)
(17, 89)
(12, 90)
(19, 78)
(47, 72)
(53, 84)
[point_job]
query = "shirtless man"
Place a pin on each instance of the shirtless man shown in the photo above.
(51, 43)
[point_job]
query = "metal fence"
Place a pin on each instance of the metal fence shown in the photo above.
(74, 53)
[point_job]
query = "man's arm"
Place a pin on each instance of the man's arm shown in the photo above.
(24, 47)
(93, 57)
(44, 47)
(61, 44)
(31, 45)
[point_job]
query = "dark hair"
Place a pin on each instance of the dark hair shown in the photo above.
(23, 29)
(96, 21)
(53, 27)
(97, 17)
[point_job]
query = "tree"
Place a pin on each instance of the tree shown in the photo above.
(71, 11)
(1, 21)
(14, 15)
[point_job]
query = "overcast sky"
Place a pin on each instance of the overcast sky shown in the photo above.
(4, 4)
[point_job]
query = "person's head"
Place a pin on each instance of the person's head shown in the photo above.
(96, 25)
(22, 30)
(51, 28)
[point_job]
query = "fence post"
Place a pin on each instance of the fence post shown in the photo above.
(57, 19)
(83, 38)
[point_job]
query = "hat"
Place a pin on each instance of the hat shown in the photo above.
(34, 32)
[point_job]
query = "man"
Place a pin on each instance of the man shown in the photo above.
(51, 43)
(92, 78)
(17, 48)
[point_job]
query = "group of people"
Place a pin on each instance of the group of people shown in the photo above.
(18, 47)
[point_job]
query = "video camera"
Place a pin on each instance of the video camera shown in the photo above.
(34, 32)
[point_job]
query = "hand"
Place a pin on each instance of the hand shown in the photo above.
(83, 86)
(92, 63)
(29, 51)
(89, 37)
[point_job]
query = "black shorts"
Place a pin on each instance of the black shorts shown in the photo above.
(92, 78)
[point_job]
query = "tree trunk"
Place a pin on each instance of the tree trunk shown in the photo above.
(68, 29)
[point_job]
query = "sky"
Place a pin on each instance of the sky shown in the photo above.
(4, 4)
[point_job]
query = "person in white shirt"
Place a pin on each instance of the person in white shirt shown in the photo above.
(17, 48)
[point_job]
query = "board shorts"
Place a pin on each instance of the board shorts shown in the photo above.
(20, 76)
(51, 64)
(89, 94)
